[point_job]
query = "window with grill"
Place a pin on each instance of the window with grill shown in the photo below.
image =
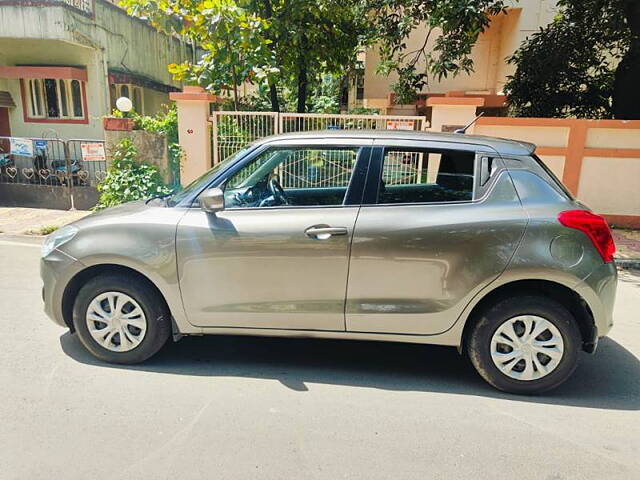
(132, 92)
(54, 98)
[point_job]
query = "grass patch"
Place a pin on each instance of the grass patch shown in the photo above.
(46, 230)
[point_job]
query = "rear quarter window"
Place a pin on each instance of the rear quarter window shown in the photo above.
(556, 181)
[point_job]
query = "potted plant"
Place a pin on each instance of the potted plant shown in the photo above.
(118, 121)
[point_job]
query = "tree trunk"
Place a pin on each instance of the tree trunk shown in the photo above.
(273, 91)
(235, 91)
(302, 76)
(626, 95)
(273, 94)
(235, 84)
(302, 90)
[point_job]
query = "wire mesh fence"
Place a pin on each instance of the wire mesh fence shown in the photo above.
(403, 168)
(305, 122)
(313, 168)
(232, 131)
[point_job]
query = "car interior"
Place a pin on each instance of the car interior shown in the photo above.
(453, 181)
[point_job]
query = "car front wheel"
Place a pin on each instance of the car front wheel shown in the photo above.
(525, 344)
(120, 319)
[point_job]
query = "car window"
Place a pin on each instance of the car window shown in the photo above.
(182, 193)
(426, 176)
(293, 176)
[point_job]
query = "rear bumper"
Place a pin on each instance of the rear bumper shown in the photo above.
(56, 270)
(598, 289)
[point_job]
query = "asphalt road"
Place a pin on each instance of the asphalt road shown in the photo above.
(240, 408)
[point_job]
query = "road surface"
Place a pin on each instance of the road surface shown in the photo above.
(240, 408)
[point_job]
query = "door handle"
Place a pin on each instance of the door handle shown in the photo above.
(323, 233)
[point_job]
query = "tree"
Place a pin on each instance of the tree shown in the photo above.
(452, 25)
(231, 38)
(264, 41)
(586, 63)
(313, 37)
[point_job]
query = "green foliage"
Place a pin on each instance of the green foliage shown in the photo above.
(453, 27)
(364, 111)
(232, 38)
(324, 97)
(570, 67)
(128, 180)
(46, 230)
(269, 42)
(165, 123)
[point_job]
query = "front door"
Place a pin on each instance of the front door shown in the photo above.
(277, 256)
(5, 130)
(428, 237)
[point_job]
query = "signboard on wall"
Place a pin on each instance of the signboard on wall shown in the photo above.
(21, 146)
(93, 152)
(400, 124)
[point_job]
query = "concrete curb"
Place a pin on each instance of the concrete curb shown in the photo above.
(628, 263)
(21, 237)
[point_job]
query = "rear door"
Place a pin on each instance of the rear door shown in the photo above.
(439, 221)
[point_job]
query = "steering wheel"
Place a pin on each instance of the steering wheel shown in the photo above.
(278, 192)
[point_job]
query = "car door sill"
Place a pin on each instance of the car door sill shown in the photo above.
(446, 338)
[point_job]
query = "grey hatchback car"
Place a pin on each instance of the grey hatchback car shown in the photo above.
(444, 239)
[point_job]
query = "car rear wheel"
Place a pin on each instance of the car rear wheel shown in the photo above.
(120, 319)
(525, 344)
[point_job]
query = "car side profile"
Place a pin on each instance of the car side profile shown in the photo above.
(418, 237)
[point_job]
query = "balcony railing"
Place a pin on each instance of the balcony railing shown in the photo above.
(86, 7)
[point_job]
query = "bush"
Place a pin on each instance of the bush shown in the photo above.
(166, 124)
(127, 180)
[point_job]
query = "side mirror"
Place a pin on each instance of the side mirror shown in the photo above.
(212, 200)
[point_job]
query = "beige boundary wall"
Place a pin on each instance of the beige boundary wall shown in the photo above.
(598, 160)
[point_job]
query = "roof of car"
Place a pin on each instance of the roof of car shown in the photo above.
(501, 145)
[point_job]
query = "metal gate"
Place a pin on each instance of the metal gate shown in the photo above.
(64, 165)
(232, 131)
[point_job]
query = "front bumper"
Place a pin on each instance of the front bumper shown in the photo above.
(56, 270)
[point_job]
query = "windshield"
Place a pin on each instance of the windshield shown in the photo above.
(182, 193)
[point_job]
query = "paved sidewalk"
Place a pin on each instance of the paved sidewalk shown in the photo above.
(18, 221)
(627, 244)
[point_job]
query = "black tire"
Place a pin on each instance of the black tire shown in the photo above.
(479, 343)
(158, 319)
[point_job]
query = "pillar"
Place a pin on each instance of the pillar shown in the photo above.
(449, 113)
(194, 131)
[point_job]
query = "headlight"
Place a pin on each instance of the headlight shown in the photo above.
(57, 238)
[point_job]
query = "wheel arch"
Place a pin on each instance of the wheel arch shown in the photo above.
(79, 279)
(569, 298)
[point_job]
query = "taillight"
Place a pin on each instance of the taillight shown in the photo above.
(594, 226)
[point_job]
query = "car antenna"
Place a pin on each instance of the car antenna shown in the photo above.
(463, 130)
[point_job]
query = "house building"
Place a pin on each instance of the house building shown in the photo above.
(63, 63)
(505, 33)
